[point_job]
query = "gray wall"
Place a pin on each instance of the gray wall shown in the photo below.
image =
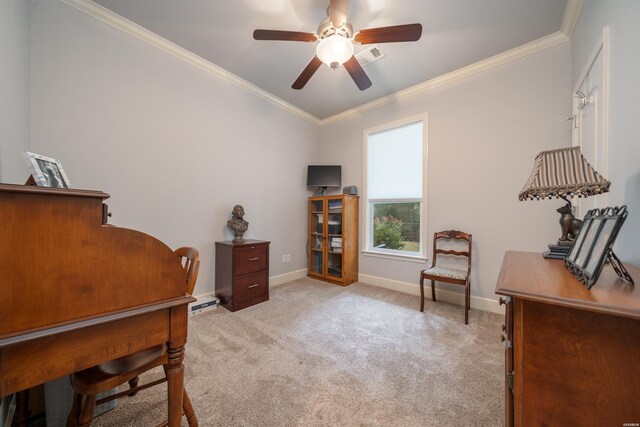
(15, 16)
(176, 147)
(624, 127)
(484, 132)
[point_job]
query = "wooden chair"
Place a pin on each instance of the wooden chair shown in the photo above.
(106, 376)
(448, 274)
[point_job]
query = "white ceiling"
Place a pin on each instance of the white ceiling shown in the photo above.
(456, 33)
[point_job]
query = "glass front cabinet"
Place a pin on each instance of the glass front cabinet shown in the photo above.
(333, 239)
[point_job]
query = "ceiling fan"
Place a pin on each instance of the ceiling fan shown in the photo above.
(337, 38)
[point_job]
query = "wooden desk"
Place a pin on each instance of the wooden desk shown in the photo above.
(571, 355)
(76, 292)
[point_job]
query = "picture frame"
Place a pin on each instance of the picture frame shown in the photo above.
(46, 172)
(592, 246)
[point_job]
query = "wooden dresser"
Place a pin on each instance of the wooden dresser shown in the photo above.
(572, 355)
(242, 273)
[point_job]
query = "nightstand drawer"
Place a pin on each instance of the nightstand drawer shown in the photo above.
(250, 286)
(250, 259)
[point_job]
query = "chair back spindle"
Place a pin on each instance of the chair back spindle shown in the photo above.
(190, 258)
(451, 235)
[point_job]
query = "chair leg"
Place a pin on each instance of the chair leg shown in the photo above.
(433, 290)
(133, 383)
(421, 292)
(87, 411)
(467, 302)
(74, 414)
(187, 407)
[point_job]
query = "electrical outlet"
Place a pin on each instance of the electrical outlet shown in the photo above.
(284, 258)
(288, 257)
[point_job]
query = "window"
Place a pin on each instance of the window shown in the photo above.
(395, 187)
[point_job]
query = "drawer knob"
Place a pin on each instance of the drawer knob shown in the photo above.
(254, 259)
(502, 301)
(255, 285)
(504, 328)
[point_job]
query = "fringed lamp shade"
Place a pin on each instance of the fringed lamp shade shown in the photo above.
(563, 173)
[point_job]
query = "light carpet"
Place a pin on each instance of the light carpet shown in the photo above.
(317, 354)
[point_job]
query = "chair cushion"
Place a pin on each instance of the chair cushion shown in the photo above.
(447, 272)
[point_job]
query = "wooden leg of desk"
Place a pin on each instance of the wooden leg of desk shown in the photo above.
(175, 387)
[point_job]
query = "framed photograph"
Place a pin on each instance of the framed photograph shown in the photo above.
(47, 172)
(587, 244)
(592, 247)
(573, 252)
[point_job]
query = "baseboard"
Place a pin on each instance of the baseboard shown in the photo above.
(287, 277)
(478, 303)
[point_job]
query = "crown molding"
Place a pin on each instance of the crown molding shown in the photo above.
(105, 15)
(445, 79)
(571, 14)
(123, 24)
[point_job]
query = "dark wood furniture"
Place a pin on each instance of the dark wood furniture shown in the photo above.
(242, 273)
(106, 376)
(446, 274)
(77, 293)
(333, 239)
(571, 353)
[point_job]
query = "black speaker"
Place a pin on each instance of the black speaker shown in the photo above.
(351, 190)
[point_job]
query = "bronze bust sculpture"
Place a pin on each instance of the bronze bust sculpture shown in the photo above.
(238, 225)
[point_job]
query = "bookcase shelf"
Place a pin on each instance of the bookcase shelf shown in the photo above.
(333, 223)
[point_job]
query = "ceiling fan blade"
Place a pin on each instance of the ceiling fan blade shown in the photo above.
(293, 36)
(338, 11)
(396, 33)
(307, 73)
(357, 73)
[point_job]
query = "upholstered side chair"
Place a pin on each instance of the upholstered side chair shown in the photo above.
(446, 274)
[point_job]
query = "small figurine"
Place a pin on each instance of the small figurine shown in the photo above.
(238, 225)
(569, 224)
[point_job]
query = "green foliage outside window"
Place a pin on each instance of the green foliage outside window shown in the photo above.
(396, 225)
(387, 233)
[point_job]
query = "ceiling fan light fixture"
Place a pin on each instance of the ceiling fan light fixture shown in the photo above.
(335, 50)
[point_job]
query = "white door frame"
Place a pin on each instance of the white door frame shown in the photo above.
(601, 48)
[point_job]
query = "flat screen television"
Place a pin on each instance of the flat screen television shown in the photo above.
(323, 176)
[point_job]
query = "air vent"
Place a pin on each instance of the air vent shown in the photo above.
(369, 55)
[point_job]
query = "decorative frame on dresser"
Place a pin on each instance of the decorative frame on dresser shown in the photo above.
(242, 273)
(571, 354)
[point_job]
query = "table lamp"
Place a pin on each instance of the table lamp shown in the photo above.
(563, 173)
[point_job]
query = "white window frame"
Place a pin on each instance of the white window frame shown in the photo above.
(367, 243)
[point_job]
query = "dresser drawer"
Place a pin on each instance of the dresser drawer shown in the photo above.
(250, 286)
(250, 259)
